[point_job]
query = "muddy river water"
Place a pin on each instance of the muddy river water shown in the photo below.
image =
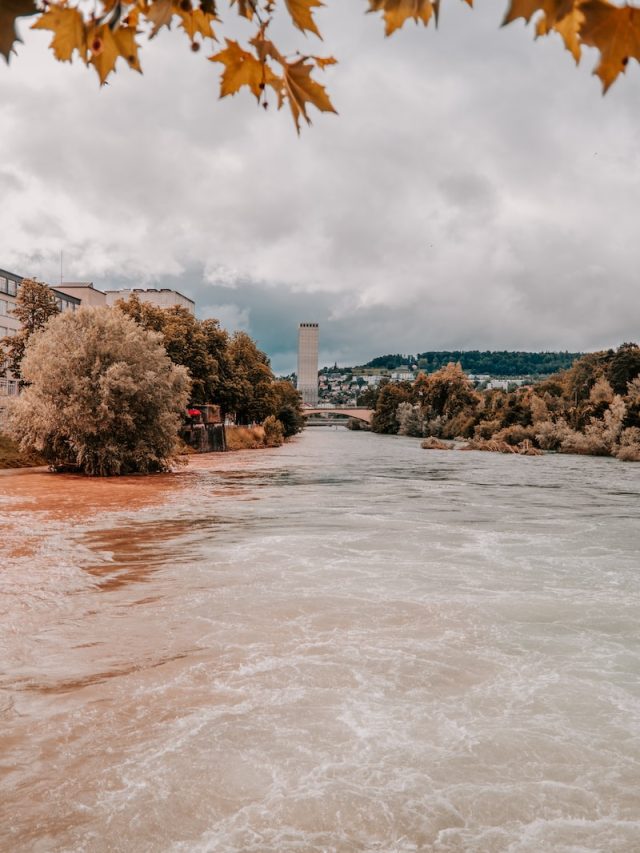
(345, 644)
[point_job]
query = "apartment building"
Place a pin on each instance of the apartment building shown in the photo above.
(308, 362)
(10, 325)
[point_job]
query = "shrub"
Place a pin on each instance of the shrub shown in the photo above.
(273, 432)
(103, 396)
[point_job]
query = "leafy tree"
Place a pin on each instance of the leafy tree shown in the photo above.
(624, 367)
(288, 407)
(392, 394)
(185, 341)
(103, 395)
(35, 305)
(254, 395)
(106, 31)
(409, 420)
(273, 432)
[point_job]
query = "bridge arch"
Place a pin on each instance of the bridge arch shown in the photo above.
(360, 413)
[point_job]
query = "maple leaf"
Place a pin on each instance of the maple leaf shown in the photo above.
(9, 11)
(246, 8)
(301, 89)
(615, 31)
(241, 68)
(301, 14)
(69, 31)
(568, 28)
(323, 61)
(159, 13)
(554, 10)
(396, 12)
(106, 46)
(197, 21)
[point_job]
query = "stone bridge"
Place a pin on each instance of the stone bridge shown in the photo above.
(358, 412)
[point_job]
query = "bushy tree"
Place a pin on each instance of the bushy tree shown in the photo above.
(273, 432)
(103, 395)
(391, 395)
(409, 420)
(35, 305)
(254, 400)
(288, 407)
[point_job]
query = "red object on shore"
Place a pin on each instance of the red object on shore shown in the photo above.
(193, 412)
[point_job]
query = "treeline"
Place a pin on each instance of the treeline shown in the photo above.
(494, 363)
(591, 408)
(106, 390)
(227, 370)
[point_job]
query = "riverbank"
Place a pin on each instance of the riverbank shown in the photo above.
(12, 457)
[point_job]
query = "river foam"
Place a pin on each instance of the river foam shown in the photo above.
(346, 644)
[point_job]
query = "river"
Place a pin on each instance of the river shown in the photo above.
(344, 644)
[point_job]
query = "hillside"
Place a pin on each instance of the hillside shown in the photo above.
(494, 363)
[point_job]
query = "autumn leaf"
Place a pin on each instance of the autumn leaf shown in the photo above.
(568, 28)
(69, 31)
(615, 31)
(9, 11)
(197, 21)
(159, 13)
(246, 8)
(241, 68)
(323, 61)
(301, 14)
(396, 12)
(554, 10)
(301, 90)
(105, 46)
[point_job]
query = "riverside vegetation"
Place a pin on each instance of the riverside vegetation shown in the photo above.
(105, 389)
(593, 408)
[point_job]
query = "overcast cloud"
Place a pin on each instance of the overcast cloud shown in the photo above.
(476, 191)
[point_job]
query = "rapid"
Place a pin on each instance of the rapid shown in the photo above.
(344, 644)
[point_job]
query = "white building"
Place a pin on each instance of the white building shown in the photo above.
(10, 325)
(161, 298)
(85, 291)
(308, 334)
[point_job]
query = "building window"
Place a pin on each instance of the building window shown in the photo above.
(4, 285)
(4, 305)
(12, 287)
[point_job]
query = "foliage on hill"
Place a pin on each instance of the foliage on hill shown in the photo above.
(102, 395)
(493, 363)
(593, 408)
(100, 34)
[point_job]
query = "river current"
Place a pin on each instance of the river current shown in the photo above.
(344, 644)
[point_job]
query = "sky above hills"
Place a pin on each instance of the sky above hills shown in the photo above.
(476, 190)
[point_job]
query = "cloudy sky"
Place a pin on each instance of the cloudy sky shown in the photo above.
(476, 190)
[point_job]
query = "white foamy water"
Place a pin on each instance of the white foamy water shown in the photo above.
(346, 644)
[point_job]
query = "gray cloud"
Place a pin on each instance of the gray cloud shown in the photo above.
(476, 190)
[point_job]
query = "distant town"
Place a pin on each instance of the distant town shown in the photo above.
(348, 386)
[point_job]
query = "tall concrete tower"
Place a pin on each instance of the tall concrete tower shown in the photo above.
(308, 362)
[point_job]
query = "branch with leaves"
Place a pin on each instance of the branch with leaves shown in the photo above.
(113, 29)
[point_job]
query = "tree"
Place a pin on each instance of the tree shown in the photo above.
(288, 407)
(101, 33)
(35, 305)
(184, 338)
(624, 367)
(103, 395)
(254, 396)
(384, 418)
